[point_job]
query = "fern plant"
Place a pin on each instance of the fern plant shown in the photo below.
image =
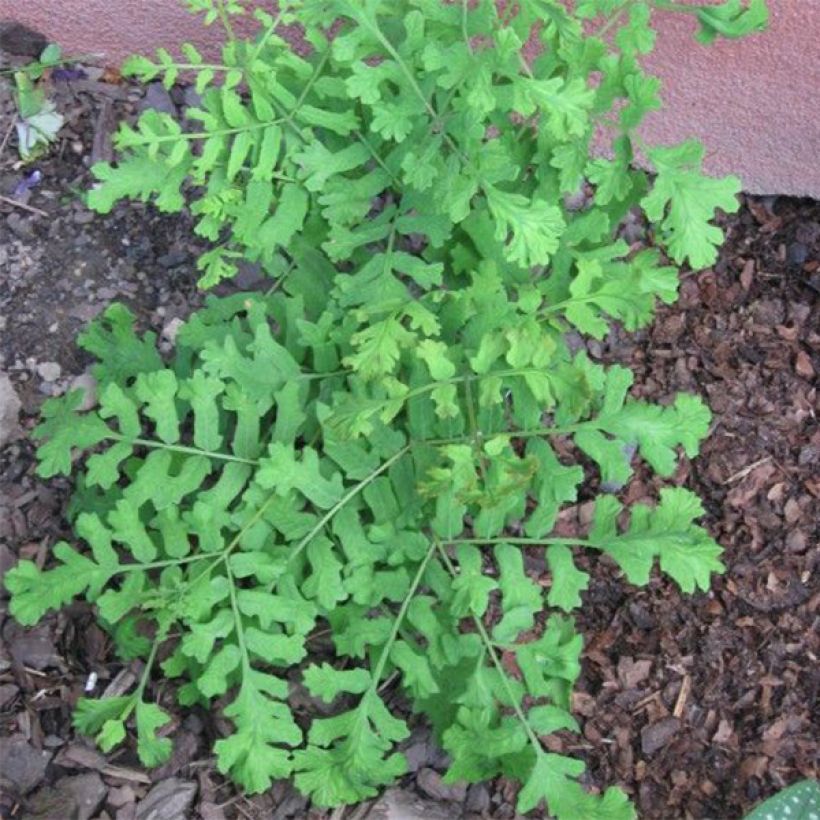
(370, 448)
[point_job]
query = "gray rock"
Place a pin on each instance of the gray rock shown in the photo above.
(169, 332)
(17, 39)
(158, 98)
(32, 648)
(798, 253)
(191, 98)
(173, 259)
(76, 797)
(169, 800)
(397, 804)
(656, 736)
(49, 371)
(20, 227)
(478, 799)
(249, 275)
(9, 410)
(88, 384)
(420, 751)
(433, 785)
(21, 765)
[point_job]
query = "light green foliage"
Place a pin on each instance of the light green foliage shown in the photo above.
(408, 104)
(38, 122)
(381, 447)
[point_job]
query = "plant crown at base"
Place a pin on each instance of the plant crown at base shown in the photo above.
(371, 448)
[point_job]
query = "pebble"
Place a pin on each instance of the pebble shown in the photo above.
(158, 99)
(798, 253)
(173, 259)
(169, 332)
(49, 371)
(22, 765)
(433, 785)
(398, 804)
(478, 799)
(88, 384)
(169, 799)
(657, 735)
(9, 409)
(22, 228)
(15, 38)
(191, 98)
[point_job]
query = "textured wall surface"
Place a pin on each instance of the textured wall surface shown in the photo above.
(753, 102)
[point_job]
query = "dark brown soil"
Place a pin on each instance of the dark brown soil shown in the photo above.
(699, 706)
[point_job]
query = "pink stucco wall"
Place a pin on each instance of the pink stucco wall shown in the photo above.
(753, 102)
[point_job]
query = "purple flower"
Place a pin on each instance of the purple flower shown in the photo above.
(28, 182)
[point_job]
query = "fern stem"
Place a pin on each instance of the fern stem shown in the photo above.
(537, 433)
(180, 448)
(170, 562)
(269, 32)
(370, 24)
(225, 20)
(201, 135)
(394, 632)
(612, 21)
(237, 617)
(490, 647)
(526, 542)
(345, 499)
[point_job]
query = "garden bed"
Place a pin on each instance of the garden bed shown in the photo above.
(698, 706)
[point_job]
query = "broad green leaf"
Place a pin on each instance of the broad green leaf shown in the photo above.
(325, 682)
(529, 230)
(686, 551)
(567, 580)
(683, 203)
(152, 750)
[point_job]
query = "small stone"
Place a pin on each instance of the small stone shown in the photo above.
(172, 259)
(168, 800)
(417, 755)
(49, 371)
(31, 648)
(120, 796)
(20, 227)
(17, 39)
(169, 332)
(249, 275)
(478, 799)
(656, 736)
(576, 201)
(77, 797)
(798, 253)
(432, 784)
(158, 99)
(8, 692)
(191, 98)
(107, 293)
(803, 365)
(22, 767)
(88, 384)
(808, 454)
(398, 804)
(9, 410)
(84, 217)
